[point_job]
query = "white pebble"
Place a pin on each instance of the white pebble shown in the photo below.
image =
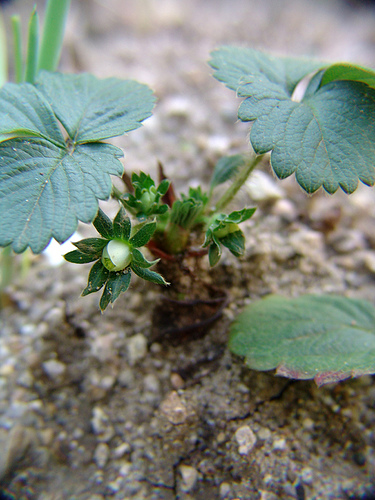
(189, 477)
(137, 348)
(101, 455)
(246, 439)
(279, 444)
(54, 369)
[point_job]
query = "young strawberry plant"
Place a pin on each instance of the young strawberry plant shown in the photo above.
(327, 139)
(55, 167)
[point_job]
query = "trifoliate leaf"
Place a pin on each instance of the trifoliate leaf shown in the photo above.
(98, 277)
(143, 235)
(91, 109)
(327, 139)
(46, 189)
(325, 337)
(122, 225)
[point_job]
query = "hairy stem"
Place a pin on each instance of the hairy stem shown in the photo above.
(238, 182)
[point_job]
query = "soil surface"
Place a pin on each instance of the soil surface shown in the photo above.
(96, 407)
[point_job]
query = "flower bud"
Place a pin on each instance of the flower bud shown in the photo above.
(116, 255)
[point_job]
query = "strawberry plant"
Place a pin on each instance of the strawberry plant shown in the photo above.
(56, 167)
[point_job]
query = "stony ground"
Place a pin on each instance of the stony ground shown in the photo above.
(92, 407)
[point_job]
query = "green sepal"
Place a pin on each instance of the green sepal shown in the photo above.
(143, 235)
(116, 284)
(214, 253)
(140, 260)
(145, 202)
(103, 225)
(185, 212)
(235, 242)
(148, 275)
(163, 187)
(78, 257)
(98, 277)
(122, 225)
(223, 230)
(92, 247)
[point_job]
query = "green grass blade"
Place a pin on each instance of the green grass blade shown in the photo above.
(3, 53)
(32, 48)
(17, 38)
(53, 34)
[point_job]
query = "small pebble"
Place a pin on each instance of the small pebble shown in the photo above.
(189, 477)
(101, 455)
(261, 187)
(264, 434)
(246, 439)
(54, 369)
(101, 425)
(173, 408)
(120, 450)
(137, 348)
(307, 475)
(279, 444)
(151, 383)
(177, 381)
(225, 490)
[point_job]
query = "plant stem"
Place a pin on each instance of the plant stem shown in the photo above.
(3, 52)
(32, 48)
(53, 34)
(17, 38)
(239, 181)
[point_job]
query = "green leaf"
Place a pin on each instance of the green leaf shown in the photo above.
(122, 225)
(234, 64)
(327, 139)
(78, 257)
(346, 71)
(103, 225)
(325, 337)
(226, 168)
(116, 284)
(98, 277)
(148, 275)
(91, 246)
(24, 112)
(143, 235)
(91, 109)
(45, 189)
